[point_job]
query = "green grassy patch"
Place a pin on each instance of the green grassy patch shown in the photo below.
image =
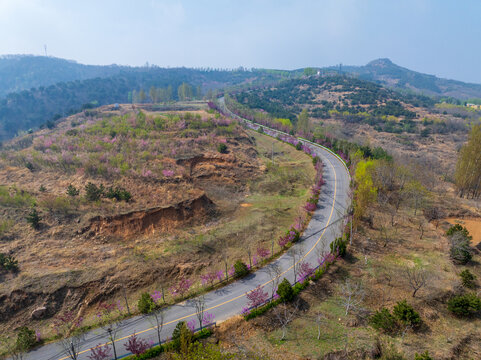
(302, 334)
(15, 197)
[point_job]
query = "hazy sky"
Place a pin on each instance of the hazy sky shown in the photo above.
(441, 37)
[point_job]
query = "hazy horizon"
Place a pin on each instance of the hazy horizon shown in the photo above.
(433, 37)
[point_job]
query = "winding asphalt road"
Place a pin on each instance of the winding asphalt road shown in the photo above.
(228, 301)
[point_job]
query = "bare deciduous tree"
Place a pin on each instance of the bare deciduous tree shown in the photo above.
(385, 234)
(110, 322)
(225, 261)
(272, 243)
(322, 248)
(352, 295)
(416, 192)
(403, 174)
(284, 314)
(274, 271)
(156, 318)
(199, 304)
(296, 253)
(124, 294)
(421, 227)
(405, 329)
(249, 253)
(10, 345)
(416, 278)
(434, 213)
(69, 328)
(385, 176)
(320, 318)
(364, 251)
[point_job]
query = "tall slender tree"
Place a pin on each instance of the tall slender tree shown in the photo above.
(303, 125)
(153, 94)
(184, 92)
(142, 95)
(468, 167)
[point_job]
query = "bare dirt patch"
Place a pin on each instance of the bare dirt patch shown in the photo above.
(154, 220)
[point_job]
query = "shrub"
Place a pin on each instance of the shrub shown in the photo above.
(285, 291)
(460, 250)
(146, 303)
(182, 287)
(136, 345)
(240, 269)
(460, 240)
(424, 356)
(468, 279)
(464, 305)
(58, 204)
(118, 193)
(29, 166)
(261, 309)
(181, 335)
(176, 332)
(42, 188)
(257, 297)
(458, 228)
(26, 339)
(72, 191)
(185, 339)
(33, 218)
(339, 246)
(299, 146)
(15, 197)
(385, 321)
(93, 192)
(5, 226)
(50, 124)
(167, 347)
(406, 313)
(8, 262)
(425, 132)
(198, 351)
(222, 148)
(389, 353)
(71, 132)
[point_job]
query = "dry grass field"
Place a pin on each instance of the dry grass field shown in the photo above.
(322, 330)
(191, 206)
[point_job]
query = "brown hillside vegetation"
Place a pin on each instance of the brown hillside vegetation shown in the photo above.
(413, 126)
(191, 206)
(400, 250)
(382, 255)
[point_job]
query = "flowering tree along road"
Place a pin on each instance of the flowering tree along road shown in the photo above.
(231, 299)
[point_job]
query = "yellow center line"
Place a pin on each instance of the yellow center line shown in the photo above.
(240, 296)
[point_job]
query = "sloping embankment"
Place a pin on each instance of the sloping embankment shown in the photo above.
(151, 220)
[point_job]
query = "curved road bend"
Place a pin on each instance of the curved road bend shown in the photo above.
(229, 300)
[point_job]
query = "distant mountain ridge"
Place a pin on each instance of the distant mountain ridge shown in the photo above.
(28, 109)
(36, 89)
(23, 72)
(386, 73)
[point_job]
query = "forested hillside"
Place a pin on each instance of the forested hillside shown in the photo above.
(364, 112)
(36, 89)
(32, 108)
(23, 72)
(351, 99)
(385, 72)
